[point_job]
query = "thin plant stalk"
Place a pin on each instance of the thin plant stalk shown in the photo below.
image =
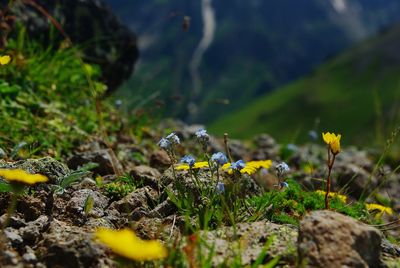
(328, 180)
(10, 210)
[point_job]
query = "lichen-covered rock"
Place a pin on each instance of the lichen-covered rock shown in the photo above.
(47, 166)
(251, 238)
(330, 239)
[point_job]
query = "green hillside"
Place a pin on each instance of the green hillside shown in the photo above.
(356, 94)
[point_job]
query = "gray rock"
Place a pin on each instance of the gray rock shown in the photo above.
(238, 149)
(10, 257)
(251, 239)
(139, 198)
(76, 204)
(160, 160)
(64, 245)
(29, 257)
(32, 232)
(87, 183)
(47, 166)
(330, 239)
(163, 210)
(16, 221)
(30, 207)
(13, 236)
(147, 175)
(113, 216)
(99, 222)
(105, 158)
(266, 147)
(356, 179)
(390, 249)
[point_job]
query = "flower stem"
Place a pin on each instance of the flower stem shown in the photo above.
(328, 181)
(10, 210)
(228, 152)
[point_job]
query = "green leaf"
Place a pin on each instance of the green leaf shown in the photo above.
(5, 187)
(89, 203)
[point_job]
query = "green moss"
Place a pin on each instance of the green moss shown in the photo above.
(119, 188)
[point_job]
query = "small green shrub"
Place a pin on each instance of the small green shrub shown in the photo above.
(119, 188)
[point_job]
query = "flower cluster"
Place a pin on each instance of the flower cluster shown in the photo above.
(188, 159)
(202, 135)
(5, 59)
(333, 141)
(203, 138)
(126, 244)
(379, 209)
(281, 170)
(168, 143)
(238, 165)
(341, 197)
(196, 165)
(21, 176)
(188, 162)
(164, 144)
(173, 138)
(249, 168)
(219, 158)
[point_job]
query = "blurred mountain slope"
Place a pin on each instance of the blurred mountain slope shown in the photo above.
(257, 46)
(356, 94)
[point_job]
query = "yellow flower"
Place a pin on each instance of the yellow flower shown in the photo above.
(341, 197)
(125, 243)
(196, 165)
(21, 176)
(381, 209)
(251, 167)
(5, 59)
(333, 141)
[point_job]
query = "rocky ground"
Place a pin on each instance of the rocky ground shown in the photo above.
(51, 226)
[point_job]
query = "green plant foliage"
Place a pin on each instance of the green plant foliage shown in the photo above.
(73, 177)
(120, 188)
(47, 98)
(290, 205)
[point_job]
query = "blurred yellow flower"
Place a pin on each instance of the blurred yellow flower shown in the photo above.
(333, 141)
(5, 59)
(196, 165)
(380, 209)
(21, 176)
(125, 243)
(251, 167)
(341, 197)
